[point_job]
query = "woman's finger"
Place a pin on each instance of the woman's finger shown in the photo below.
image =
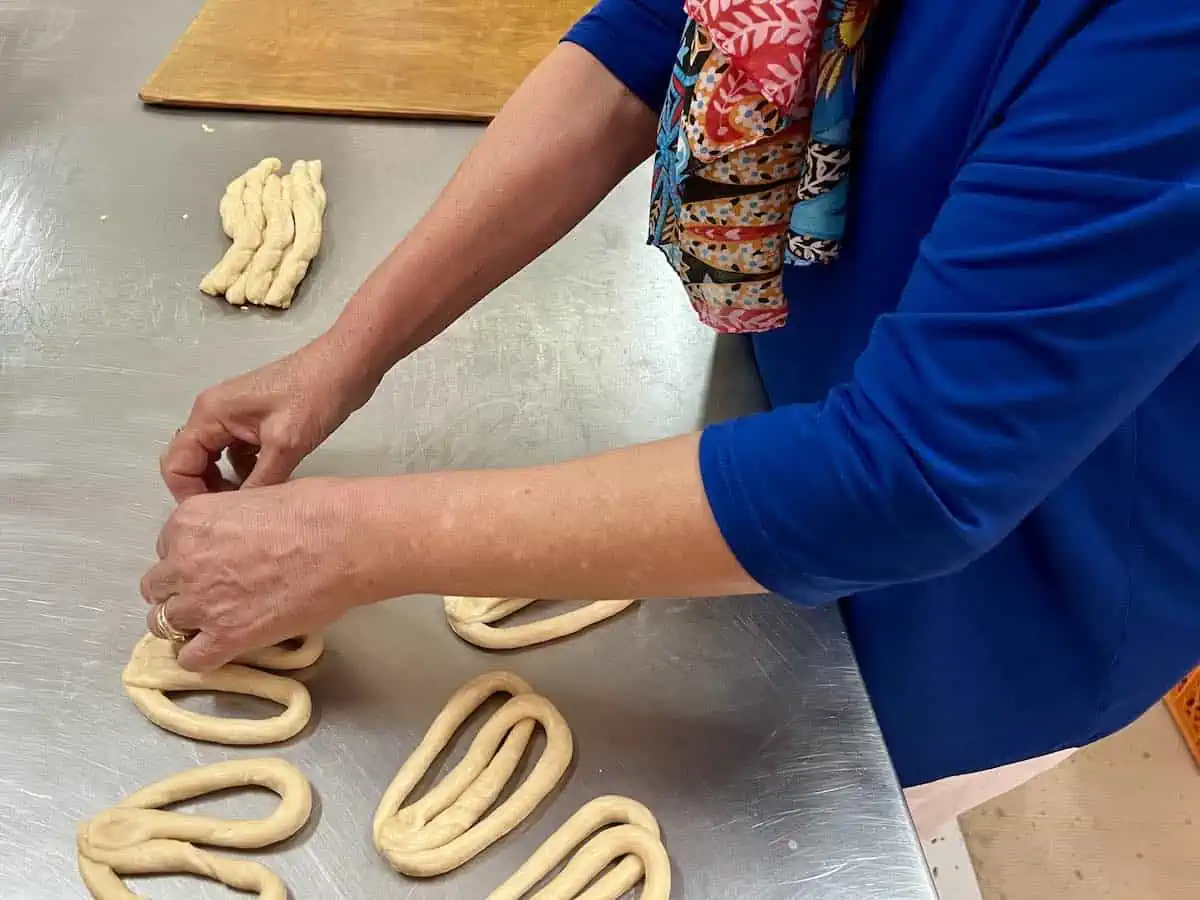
(203, 653)
(184, 613)
(160, 583)
(189, 464)
(242, 456)
(163, 623)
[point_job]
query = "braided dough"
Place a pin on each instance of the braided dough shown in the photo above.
(137, 837)
(471, 619)
(153, 671)
(636, 842)
(277, 236)
(276, 227)
(447, 827)
(308, 209)
(245, 219)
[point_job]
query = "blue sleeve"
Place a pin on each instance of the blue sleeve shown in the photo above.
(636, 40)
(1059, 286)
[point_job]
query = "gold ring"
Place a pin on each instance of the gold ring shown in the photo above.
(166, 630)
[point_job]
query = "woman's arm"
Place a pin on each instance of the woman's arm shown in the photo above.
(632, 522)
(567, 136)
(251, 568)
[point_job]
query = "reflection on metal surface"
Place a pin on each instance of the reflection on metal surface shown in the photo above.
(742, 724)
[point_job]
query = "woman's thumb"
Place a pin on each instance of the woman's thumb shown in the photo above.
(274, 465)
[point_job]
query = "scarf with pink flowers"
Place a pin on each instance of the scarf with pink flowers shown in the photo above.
(754, 148)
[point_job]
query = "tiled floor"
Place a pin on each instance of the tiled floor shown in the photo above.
(1119, 820)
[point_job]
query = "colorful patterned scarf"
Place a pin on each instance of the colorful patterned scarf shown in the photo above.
(753, 150)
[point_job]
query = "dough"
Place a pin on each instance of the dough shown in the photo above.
(447, 827)
(471, 619)
(232, 206)
(600, 852)
(308, 209)
(247, 222)
(282, 658)
(137, 837)
(152, 672)
(636, 838)
(277, 206)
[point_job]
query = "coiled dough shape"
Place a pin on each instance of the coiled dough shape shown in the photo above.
(447, 827)
(635, 841)
(472, 618)
(153, 671)
(137, 837)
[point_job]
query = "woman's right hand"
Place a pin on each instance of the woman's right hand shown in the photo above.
(268, 420)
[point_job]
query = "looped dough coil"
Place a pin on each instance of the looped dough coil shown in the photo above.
(153, 671)
(472, 618)
(283, 658)
(636, 841)
(137, 837)
(447, 827)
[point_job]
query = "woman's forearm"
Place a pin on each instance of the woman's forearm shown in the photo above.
(567, 136)
(629, 523)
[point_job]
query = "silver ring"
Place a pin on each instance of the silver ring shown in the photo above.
(166, 630)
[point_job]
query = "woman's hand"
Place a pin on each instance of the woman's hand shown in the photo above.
(268, 419)
(248, 569)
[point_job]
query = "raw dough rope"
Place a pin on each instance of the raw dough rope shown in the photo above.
(471, 619)
(277, 237)
(308, 208)
(232, 206)
(153, 671)
(247, 222)
(137, 837)
(283, 658)
(447, 827)
(636, 841)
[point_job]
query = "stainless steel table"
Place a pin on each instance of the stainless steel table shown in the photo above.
(741, 723)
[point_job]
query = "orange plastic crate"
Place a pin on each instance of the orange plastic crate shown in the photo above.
(1184, 704)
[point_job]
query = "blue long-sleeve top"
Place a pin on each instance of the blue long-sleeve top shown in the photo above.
(985, 428)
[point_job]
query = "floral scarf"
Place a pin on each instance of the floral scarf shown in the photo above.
(753, 150)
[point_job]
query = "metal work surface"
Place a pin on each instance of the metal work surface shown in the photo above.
(741, 723)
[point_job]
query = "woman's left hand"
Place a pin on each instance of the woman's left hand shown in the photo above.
(247, 569)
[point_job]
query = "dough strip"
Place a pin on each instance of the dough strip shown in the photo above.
(153, 671)
(136, 837)
(444, 829)
(471, 619)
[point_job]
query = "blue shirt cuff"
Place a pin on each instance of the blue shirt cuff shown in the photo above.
(742, 526)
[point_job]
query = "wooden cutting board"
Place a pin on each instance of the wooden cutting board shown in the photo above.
(450, 59)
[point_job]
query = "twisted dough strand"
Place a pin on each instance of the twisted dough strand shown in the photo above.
(308, 210)
(247, 222)
(277, 237)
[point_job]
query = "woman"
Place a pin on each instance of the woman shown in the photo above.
(968, 247)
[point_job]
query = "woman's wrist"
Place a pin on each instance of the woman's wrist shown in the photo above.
(356, 360)
(370, 540)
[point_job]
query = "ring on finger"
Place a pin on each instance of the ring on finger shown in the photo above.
(164, 629)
